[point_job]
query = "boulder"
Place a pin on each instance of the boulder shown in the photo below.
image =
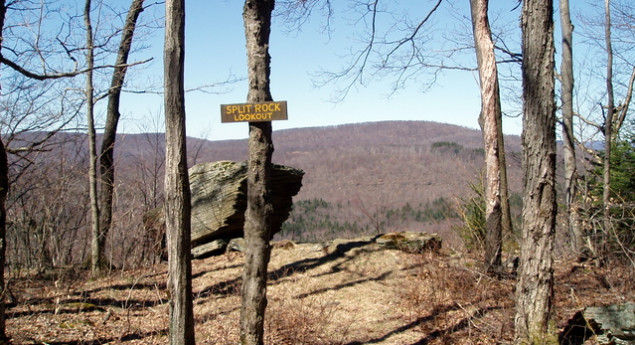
(219, 201)
(612, 325)
(411, 242)
(216, 246)
(237, 245)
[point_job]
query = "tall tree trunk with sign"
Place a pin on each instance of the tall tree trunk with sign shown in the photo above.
(490, 115)
(534, 289)
(257, 21)
(177, 186)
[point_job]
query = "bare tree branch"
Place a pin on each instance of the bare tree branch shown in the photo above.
(622, 109)
(37, 76)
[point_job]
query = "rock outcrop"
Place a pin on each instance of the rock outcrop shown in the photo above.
(612, 325)
(411, 242)
(219, 201)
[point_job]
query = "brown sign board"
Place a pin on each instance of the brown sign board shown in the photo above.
(254, 112)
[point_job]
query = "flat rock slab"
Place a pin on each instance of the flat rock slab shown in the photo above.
(411, 242)
(612, 325)
(219, 201)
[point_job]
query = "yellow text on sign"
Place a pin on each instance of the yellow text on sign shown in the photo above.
(254, 112)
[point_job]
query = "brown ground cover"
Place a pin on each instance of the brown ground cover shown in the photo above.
(357, 293)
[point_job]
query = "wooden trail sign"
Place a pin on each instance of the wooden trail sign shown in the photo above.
(253, 112)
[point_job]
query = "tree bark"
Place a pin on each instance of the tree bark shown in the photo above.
(608, 120)
(534, 289)
(96, 261)
(506, 217)
(4, 189)
(570, 168)
(177, 188)
(106, 157)
(257, 21)
(489, 118)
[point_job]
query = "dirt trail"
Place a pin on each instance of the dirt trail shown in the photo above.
(357, 294)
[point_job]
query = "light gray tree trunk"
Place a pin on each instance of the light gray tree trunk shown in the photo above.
(177, 187)
(257, 21)
(570, 168)
(490, 115)
(89, 92)
(106, 156)
(534, 289)
(608, 120)
(506, 217)
(4, 189)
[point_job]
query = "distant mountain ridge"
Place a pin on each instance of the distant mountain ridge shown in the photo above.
(395, 161)
(359, 179)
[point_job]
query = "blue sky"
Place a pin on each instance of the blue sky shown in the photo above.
(215, 50)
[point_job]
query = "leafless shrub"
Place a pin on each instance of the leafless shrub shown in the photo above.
(304, 320)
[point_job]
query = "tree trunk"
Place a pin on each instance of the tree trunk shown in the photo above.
(4, 189)
(490, 115)
(106, 157)
(534, 290)
(608, 121)
(95, 261)
(177, 187)
(257, 21)
(506, 217)
(570, 169)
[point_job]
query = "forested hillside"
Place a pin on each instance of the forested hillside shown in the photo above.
(365, 178)
(359, 179)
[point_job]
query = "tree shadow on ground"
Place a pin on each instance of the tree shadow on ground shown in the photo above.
(78, 305)
(479, 313)
(105, 340)
(83, 294)
(308, 264)
(345, 285)
(224, 288)
(232, 286)
(204, 272)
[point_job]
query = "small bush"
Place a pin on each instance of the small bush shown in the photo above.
(472, 213)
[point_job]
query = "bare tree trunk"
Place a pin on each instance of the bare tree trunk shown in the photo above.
(106, 157)
(257, 21)
(96, 261)
(490, 115)
(177, 186)
(4, 189)
(534, 289)
(506, 217)
(570, 168)
(608, 121)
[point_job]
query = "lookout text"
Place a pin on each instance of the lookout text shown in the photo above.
(254, 112)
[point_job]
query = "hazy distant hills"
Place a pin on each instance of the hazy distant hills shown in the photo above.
(358, 170)
(390, 163)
